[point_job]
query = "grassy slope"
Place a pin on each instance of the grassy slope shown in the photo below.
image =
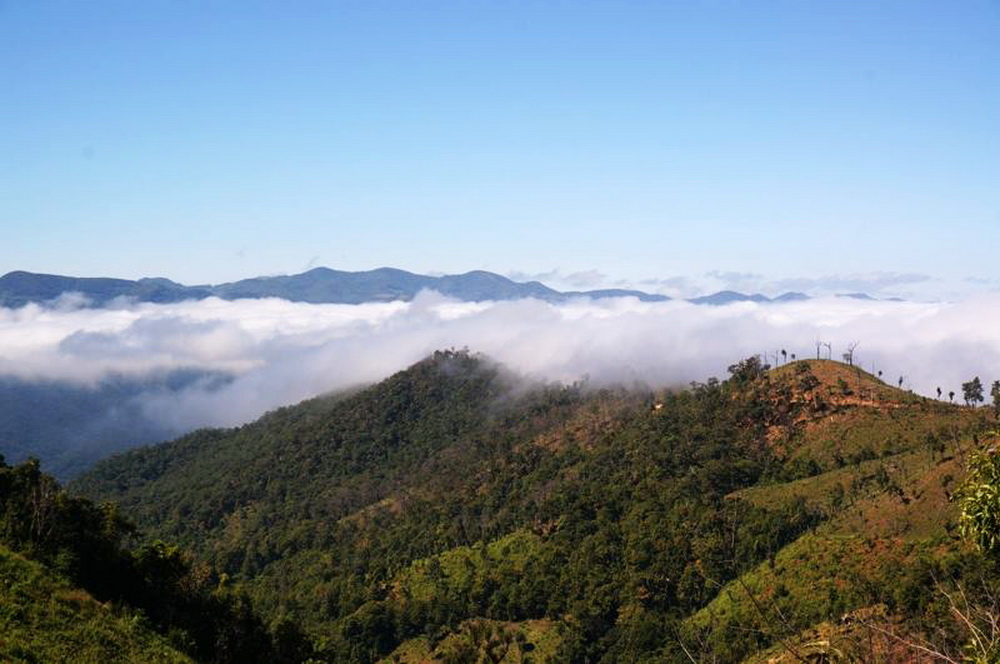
(534, 641)
(816, 578)
(44, 619)
(462, 570)
(883, 514)
(865, 635)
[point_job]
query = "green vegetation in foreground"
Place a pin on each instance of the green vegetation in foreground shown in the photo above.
(451, 513)
(81, 553)
(45, 619)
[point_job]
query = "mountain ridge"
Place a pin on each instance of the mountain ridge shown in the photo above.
(323, 285)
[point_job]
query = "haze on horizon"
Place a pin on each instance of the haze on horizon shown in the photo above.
(673, 147)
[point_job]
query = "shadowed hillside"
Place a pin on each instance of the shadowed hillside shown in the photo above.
(46, 619)
(75, 586)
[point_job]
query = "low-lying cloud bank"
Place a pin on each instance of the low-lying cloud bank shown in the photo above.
(280, 352)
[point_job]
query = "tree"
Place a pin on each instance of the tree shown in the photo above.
(849, 355)
(972, 392)
(748, 370)
(934, 444)
(979, 523)
(900, 382)
(951, 396)
(939, 392)
(784, 355)
(995, 393)
(979, 498)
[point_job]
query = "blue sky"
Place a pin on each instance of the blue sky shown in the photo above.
(671, 145)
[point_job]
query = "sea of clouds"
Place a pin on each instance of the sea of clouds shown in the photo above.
(279, 352)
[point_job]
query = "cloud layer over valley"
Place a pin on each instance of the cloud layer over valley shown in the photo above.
(278, 352)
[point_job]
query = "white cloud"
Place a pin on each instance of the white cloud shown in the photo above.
(280, 352)
(740, 281)
(873, 283)
(581, 280)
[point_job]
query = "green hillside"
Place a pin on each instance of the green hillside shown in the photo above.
(77, 586)
(455, 513)
(45, 619)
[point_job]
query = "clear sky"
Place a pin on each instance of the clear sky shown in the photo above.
(658, 144)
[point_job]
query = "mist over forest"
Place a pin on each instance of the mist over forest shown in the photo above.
(139, 373)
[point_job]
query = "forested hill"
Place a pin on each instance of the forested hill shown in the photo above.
(455, 513)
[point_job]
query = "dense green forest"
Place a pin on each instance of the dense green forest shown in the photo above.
(455, 513)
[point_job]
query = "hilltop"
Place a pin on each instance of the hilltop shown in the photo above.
(454, 511)
(881, 465)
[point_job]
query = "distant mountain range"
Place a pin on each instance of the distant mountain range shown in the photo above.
(326, 286)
